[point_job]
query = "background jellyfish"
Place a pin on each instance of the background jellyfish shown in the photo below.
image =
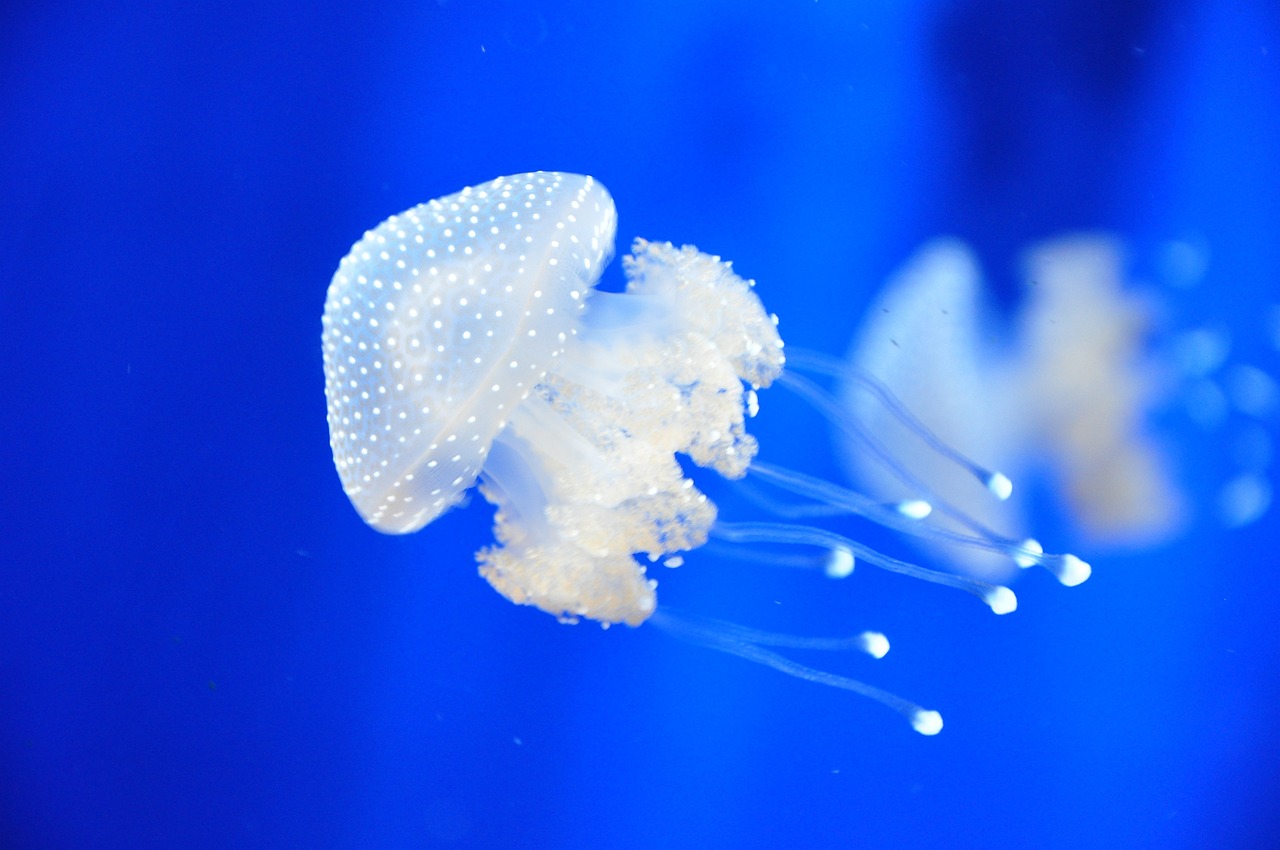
(1067, 389)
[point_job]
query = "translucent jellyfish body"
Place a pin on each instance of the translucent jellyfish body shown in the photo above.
(1065, 389)
(458, 345)
(465, 344)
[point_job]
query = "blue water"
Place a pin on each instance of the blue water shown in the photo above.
(201, 645)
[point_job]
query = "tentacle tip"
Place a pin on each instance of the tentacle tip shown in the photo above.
(926, 722)
(1073, 571)
(839, 564)
(914, 508)
(1001, 599)
(875, 644)
(1000, 485)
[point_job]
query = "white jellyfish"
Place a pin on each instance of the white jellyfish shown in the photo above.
(1064, 389)
(464, 343)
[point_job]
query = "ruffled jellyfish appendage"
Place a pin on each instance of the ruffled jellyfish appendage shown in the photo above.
(579, 487)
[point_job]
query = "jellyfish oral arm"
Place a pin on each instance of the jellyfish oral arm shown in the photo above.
(652, 372)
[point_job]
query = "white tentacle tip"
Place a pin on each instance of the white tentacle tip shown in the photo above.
(1000, 485)
(1073, 571)
(914, 508)
(839, 564)
(926, 722)
(1001, 599)
(875, 644)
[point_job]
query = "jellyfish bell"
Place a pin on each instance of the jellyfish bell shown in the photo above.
(439, 322)
(465, 345)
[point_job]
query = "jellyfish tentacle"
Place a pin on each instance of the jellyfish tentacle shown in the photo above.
(837, 500)
(750, 645)
(874, 644)
(808, 509)
(812, 508)
(1068, 569)
(822, 402)
(1065, 567)
(813, 361)
(818, 561)
(1000, 599)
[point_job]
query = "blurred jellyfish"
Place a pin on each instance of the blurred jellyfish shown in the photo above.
(1064, 391)
(464, 342)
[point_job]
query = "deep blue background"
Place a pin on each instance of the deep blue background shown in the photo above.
(201, 645)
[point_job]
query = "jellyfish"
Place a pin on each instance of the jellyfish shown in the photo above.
(1064, 389)
(465, 344)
